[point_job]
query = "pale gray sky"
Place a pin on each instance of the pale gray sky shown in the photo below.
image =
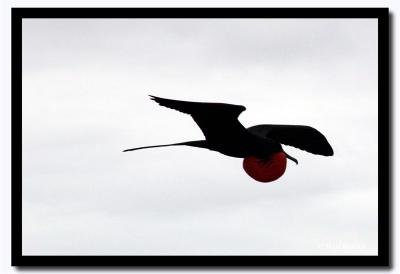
(85, 87)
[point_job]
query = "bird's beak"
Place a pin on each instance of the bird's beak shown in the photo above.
(291, 158)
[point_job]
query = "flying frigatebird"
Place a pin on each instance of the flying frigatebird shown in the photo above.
(260, 145)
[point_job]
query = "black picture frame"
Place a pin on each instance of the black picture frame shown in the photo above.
(382, 259)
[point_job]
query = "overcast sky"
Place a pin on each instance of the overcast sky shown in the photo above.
(85, 87)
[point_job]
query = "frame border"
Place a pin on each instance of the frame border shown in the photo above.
(382, 259)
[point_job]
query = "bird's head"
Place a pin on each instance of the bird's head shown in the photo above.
(291, 158)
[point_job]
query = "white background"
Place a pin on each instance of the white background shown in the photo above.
(85, 85)
(5, 109)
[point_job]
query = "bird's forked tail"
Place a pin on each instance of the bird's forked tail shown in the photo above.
(200, 143)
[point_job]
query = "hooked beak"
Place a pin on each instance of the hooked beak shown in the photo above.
(291, 158)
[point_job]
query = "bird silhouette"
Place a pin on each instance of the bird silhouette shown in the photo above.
(260, 145)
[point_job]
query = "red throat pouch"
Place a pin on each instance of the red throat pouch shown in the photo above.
(265, 171)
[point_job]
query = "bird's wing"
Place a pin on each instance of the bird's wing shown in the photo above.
(302, 137)
(216, 120)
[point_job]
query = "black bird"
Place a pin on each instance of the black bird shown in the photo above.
(260, 145)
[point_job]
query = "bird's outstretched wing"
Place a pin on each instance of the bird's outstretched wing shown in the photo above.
(302, 137)
(217, 121)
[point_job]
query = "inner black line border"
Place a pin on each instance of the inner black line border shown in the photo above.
(384, 162)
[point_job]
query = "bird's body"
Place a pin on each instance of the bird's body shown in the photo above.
(245, 146)
(260, 146)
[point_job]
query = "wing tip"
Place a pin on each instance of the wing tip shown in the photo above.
(152, 97)
(328, 151)
(156, 99)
